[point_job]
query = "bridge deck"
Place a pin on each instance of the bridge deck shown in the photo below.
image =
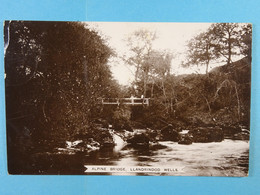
(127, 101)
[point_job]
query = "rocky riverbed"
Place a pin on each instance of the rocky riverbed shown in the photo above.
(198, 151)
(108, 137)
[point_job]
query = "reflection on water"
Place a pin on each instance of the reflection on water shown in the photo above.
(226, 158)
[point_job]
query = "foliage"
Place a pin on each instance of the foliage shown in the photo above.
(55, 71)
(201, 50)
(140, 47)
(227, 40)
(121, 118)
(219, 41)
(246, 41)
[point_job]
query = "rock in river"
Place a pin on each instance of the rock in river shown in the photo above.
(169, 134)
(208, 134)
(185, 140)
(139, 139)
(241, 136)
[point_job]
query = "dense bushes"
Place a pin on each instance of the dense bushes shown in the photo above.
(220, 98)
(55, 71)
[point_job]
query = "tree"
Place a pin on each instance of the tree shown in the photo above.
(200, 50)
(160, 63)
(226, 40)
(221, 40)
(55, 72)
(140, 46)
(246, 41)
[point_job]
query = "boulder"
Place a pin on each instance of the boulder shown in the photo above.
(139, 139)
(170, 134)
(91, 145)
(230, 131)
(208, 134)
(108, 142)
(241, 136)
(186, 140)
(152, 134)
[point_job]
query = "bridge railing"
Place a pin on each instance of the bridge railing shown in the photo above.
(127, 101)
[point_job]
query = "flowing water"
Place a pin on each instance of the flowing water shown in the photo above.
(226, 158)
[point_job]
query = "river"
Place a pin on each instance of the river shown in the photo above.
(226, 158)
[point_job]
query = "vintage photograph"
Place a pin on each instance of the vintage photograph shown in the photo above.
(125, 98)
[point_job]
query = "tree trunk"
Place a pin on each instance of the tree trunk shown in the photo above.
(164, 92)
(207, 62)
(207, 103)
(145, 84)
(229, 49)
(152, 89)
(207, 69)
(238, 103)
(137, 72)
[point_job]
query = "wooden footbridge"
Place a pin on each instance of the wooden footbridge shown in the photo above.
(128, 101)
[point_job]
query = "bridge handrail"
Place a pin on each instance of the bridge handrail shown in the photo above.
(132, 101)
(125, 98)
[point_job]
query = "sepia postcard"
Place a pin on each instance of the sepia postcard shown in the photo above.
(125, 98)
